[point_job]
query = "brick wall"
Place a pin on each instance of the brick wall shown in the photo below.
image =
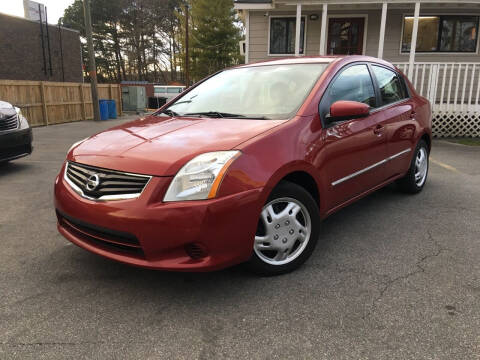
(21, 51)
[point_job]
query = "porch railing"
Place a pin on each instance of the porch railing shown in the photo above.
(453, 89)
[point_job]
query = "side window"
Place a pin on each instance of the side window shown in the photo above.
(354, 83)
(391, 87)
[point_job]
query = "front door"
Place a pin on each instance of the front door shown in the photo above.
(355, 149)
(345, 36)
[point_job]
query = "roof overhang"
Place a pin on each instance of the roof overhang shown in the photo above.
(352, 2)
(269, 5)
(253, 5)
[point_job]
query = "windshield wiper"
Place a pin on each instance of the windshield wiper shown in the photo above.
(217, 114)
(168, 112)
(185, 101)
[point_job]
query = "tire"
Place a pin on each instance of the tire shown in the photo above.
(287, 232)
(416, 177)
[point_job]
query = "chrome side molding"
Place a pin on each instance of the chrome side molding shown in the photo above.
(351, 176)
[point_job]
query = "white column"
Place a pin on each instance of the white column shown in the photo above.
(297, 29)
(323, 31)
(413, 43)
(381, 38)
(247, 35)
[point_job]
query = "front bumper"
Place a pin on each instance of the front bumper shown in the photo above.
(159, 234)
(15, 144)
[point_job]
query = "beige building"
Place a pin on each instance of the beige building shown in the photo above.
(444, 65)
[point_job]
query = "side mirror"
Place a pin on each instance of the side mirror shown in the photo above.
(346, 110)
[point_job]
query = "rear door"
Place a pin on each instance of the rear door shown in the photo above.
(399, 118)
(355, 149)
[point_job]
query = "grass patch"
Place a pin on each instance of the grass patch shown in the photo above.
(466, 141)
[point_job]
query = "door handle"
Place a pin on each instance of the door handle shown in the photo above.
(378, 130)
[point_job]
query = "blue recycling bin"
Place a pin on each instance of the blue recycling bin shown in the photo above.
(112, 109)
(103, 109)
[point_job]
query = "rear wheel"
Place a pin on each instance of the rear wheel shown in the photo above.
(287, 231)
(414, 181)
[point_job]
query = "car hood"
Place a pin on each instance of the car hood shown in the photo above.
(161, 146)
(5, 105)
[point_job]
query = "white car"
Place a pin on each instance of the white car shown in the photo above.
(167, 92)
(15, 133)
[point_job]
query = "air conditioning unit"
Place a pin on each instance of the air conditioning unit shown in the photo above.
(134, 98)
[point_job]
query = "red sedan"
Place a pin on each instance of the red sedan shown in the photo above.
(243, 166)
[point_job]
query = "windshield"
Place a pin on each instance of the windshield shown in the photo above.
(269, 92)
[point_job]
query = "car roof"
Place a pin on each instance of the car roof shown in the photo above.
(295, 60)
(317, 60)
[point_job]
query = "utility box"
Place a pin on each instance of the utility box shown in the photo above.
(134, 98)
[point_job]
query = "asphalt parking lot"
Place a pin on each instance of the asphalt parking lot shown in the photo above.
(394, 277)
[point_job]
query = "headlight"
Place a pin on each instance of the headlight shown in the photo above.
(200, 178)
(77, 143)
(23, 121)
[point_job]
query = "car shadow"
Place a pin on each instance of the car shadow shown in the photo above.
(9, 168)
(376, 200)
(83, 263)
(77, 267)
(85, 271)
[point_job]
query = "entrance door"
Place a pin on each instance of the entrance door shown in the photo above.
(345, 36)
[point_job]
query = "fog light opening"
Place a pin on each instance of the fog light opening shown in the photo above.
(196, 251)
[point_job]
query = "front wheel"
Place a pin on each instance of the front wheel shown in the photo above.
(287, 231)
(414, 181)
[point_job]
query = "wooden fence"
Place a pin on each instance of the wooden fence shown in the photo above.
(45, 103)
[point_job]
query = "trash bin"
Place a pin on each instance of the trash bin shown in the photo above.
(103, 109)
(112, 109)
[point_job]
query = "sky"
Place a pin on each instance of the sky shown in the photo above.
(55, 8)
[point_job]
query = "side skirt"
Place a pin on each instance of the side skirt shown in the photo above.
(359, 196)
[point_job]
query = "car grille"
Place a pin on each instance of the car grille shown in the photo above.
(102, 184)
(9, 123)
(106, 239)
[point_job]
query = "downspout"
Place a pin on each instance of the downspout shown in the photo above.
(247, 35)
(48, 44)
(43, 40)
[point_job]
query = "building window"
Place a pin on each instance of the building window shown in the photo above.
(282, 35)
(445, 33)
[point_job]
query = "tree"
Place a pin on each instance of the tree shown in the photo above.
(215, 33)
(144, 39)
(106, 19)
